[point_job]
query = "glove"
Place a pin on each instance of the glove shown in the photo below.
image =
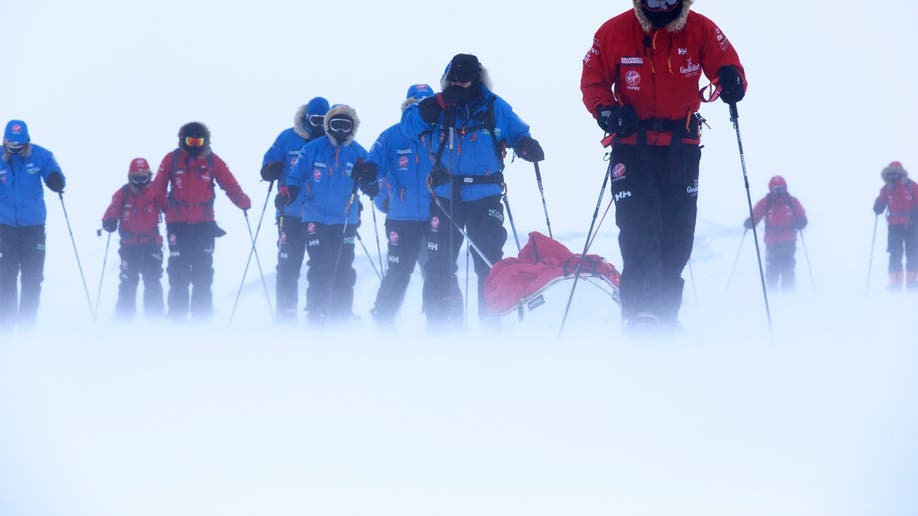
(371, 188)
(272, 171)
(285, 195)
(878, 207)
(800, 223)
(622, 121)
(364, 171)
(55, 182)
(732, 87)
(529, 149)
(244, 203)
(748, 223)
(110, 225)
(430, 109)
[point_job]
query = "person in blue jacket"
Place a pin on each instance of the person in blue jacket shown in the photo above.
(401, 165)
(323, 175)
(472, 128)
(308, 124)
(22, 221)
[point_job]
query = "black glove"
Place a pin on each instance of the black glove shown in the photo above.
(110, 225)
(430, 109)
(748, 223)
(55, 182)
(529, 149)
(371, 188)
(364, 171)
(285, 195)
(732, 88)
(622, 121)
(800, 223)
(878, 207)
(272, 171)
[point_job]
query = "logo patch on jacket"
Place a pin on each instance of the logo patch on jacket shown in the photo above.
(618, 172)
(317, 174)
(632, 61)
(435, 223)
(633, 80)
(403, 162)
(393, 238)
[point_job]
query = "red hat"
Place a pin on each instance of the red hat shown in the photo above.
(777, 182)
(139, 165)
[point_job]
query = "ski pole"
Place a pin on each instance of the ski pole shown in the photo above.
(586, 245)
(516, 238)
(465, 313)
(347, 216)
(734, 117)
(251, 252)
(807, 256)
(378, 248)
(873, 242)
(692, 276)
(735, 260)
(369, 256)
(538, 175)
(77, 255)
(108, 241)
(254, 238)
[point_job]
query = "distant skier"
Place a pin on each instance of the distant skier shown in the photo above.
(402, 165)
(188, 174)
(22, 221)
(784, 216)
(308, 124)
(899, 197)
(136, 211)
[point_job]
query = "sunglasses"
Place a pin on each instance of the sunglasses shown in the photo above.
(340, 125)
(316, 120)
(140, 180)
(193, 141)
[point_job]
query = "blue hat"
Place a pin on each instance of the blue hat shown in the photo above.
(419, 91)
(16, 132)
(317, 106)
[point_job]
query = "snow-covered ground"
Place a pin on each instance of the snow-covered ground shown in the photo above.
(818, 419)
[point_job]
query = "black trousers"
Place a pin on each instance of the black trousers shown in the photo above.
(902, 239)
(780, 264)
(191, 260)
(330, 272)
(483, 221)
(405, 239)
(142, 260)
(22, 261)
(656, 198)
(291, 249)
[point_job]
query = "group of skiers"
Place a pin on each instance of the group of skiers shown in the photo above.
(438, 175)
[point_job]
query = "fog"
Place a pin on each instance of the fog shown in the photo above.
(815, 417)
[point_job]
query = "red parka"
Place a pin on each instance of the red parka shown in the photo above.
(901, 200)
(138, 213)
(782, 213)
(656, 71)
(188, 184)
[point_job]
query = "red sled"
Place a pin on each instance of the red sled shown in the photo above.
(519, 284)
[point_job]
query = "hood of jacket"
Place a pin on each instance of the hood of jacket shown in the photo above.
(673, 26)
(894, 168)
(342, 109)
(298, 120)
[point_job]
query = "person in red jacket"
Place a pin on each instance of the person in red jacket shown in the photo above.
(784, 216)
(186, 177)
(899, 198)
(136, 211)
(640, 81)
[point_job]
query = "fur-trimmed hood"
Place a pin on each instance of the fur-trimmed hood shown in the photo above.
(342, 109)
(25, 152)
(894, 167)
(298, 120)
(673, 26)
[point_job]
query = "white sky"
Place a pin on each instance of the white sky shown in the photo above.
(725, 423)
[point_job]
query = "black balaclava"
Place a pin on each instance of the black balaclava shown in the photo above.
(466, 68)
(194, 130)
(661, 12)
(338, 134)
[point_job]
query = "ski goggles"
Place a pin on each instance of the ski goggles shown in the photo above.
(340, 125)
(14, 148)
(778, 189)
(659, 5)
(194, 141)
(315, 120)
(140, 180)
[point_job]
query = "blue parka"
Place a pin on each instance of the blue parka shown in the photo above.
(472, 152)
(323, 173)
(286, 149)
(403, 167)
(22, 201)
